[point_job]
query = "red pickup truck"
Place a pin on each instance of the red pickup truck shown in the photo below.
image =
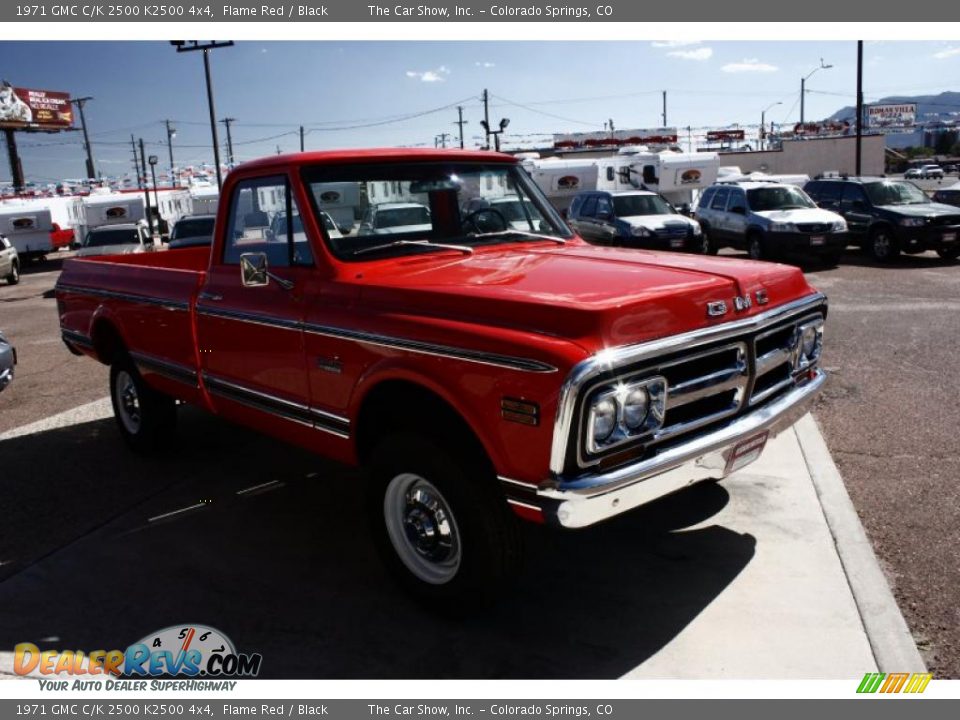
(481, 367)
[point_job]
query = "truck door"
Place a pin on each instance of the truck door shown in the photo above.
(735, 219)
(855, 209)
(606, 226)
(249, 325)
(586, 221)
(717, 216)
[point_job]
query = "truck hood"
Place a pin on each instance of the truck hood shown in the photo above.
(805, 215)
(924, 210)
(595, 296)
(658, 222)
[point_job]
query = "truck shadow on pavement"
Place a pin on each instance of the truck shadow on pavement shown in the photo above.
(269, 544)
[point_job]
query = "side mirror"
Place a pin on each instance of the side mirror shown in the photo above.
(253, 270)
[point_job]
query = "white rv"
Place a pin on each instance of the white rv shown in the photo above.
(678, 177)
(27, 227)
(109, 208)
(205, 199)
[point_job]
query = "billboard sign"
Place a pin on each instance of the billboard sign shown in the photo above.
(725, 135)
(41, 109)
(900, 115)
(656, 136)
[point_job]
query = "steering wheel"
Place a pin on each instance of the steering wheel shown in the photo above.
(496, 221)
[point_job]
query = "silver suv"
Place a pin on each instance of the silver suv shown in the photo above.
(770, 220)
(9, 262)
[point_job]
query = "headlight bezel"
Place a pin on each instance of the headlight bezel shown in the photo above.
(655, 388)
(805, 360)
(640, 231)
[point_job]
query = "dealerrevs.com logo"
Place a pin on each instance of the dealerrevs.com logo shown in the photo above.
(191, 651)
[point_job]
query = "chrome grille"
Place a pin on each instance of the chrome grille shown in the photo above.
(673, 231)
(813, 227)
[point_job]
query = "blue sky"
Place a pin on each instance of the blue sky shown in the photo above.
(543, 87)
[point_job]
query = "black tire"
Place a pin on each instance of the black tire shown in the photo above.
(14, 277)
(711, 247)
(949, 254)
(756, 248)
(882, 245)
(704, 247)
(146, 418)
(415, 484)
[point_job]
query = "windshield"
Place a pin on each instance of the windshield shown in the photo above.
(102, 238)
(779, 197)
(461, 203)
(198, 227)
(628, 205)
(895, 193)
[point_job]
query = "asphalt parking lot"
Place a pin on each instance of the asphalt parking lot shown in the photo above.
(889, 414)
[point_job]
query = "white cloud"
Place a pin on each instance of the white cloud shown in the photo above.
(674, 43)
(749, 65)
(949, 52)
(703, 53)
(485, 64)
(430, 76)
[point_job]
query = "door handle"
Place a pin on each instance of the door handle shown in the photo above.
(213, 297)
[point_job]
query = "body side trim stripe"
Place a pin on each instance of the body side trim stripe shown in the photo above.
(131, 297)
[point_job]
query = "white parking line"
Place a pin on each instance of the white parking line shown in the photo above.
(176, 512)
(91, 412)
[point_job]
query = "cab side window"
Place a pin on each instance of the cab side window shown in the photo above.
(829, 195)
(604, 208)
(589, 207)
(264, 217)
(706, 197)
(720, 199)
(738, 199)
(853, 194)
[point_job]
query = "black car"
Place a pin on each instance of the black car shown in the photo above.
(948, 196)
(887, 217)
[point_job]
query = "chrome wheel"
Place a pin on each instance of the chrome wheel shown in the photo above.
(755, 249)
(422, 529)
(128, 402)
(882, 247)
(14, 274)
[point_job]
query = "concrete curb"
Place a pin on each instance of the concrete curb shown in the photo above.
(893, 646)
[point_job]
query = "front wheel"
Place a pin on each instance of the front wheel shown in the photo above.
(755, 248)
(442, 525)
(14, 277)
(950, 254)
(883, 246)
(146, 418)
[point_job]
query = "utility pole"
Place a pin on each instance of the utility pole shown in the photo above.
(859, 103)
(136, 162)
(182, 46)
(16, 167)
(442, 140)
(301, 138)
(486, 119)
(226, 123)
(171, 133)
(664, 108)
(80, 102)
(146, 188)
(460, 122)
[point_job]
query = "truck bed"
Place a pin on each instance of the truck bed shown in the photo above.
(149, 297)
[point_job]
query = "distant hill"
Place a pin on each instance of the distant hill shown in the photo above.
(929, 107)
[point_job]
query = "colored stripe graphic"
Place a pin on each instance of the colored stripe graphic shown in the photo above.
(894, 683)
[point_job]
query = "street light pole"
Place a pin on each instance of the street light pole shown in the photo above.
(171, 134)
(80, 102)
(182, 46)
(156, 193)
(803, 87)
(226, 123)
(763, 123)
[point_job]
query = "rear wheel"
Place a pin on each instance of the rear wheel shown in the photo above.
(146, 418)
(883, 246)
(755, 247)
(442, 525)
(14, 277)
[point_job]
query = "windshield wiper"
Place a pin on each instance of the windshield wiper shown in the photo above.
(422, 243)
(523, 233)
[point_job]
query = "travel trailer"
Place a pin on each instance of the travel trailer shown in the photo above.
(28, 228)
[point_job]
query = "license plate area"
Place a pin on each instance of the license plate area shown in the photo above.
(817, 240)
(745, 452)
(949, 237)
(676, 243)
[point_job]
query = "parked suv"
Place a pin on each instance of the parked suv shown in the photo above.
(9, 262)
(931, 172)
(948, 196)
(633, 219)
(889, 216)
(769, 220)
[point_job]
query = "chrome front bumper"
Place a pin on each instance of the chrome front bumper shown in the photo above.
(585, 500)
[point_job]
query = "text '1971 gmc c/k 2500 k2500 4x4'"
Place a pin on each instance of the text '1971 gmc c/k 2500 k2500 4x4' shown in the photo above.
(480, 371)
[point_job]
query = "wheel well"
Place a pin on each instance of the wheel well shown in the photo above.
(400, 405)
(107, 342)
(882, 225)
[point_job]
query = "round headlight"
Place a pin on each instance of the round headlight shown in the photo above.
(638, 231)
(635, 406)
(604, 419)
(808, 343)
